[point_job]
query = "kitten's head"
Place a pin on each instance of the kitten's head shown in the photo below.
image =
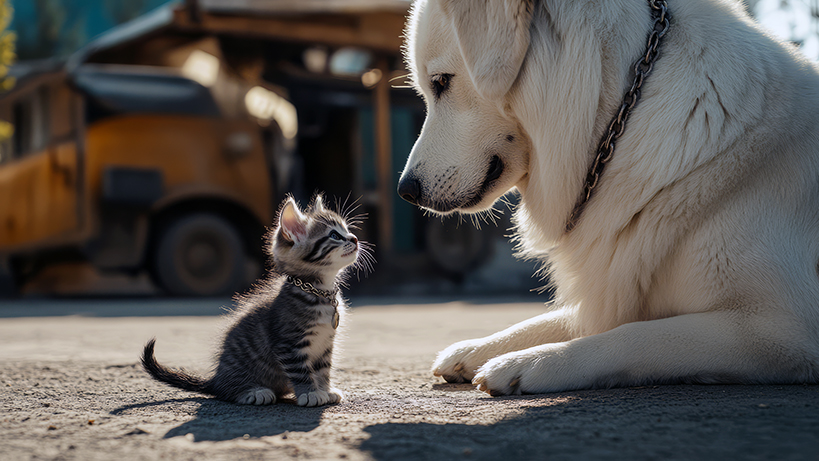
(312, 243)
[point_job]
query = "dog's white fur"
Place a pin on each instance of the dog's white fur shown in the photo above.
(696, 259)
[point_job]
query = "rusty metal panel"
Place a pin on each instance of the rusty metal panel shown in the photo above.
(38, 197)
(191, 153)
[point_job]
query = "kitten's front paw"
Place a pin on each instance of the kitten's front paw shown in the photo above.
(257, 396)
(318, 398)
(459, 362)
(336, 396)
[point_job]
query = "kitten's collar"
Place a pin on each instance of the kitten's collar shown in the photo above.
(307, 287)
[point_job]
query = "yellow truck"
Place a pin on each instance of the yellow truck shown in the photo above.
(131, 169)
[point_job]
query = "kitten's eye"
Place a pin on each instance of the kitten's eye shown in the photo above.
(335, 236)
(440, 83)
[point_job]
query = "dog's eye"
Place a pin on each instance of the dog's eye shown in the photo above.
(440, 83)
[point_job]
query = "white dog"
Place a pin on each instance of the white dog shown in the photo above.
(696, 257)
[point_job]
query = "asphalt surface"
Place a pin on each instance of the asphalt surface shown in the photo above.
(70, 388)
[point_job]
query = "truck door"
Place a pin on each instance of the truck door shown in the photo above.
(39, 181)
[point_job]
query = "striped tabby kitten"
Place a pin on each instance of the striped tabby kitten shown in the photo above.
(281, 336)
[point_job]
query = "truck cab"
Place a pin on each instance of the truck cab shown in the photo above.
(133, 169)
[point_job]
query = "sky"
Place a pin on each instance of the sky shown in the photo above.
(791, 20)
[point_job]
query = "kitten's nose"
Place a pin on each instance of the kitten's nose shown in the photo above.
(410, 189)
(353, 239)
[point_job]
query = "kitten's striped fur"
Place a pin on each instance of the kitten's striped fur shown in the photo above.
(281, 336)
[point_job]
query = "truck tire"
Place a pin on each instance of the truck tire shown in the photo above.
(199, 255)
(8, 283)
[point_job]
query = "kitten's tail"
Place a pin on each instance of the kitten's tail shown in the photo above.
(176, 378)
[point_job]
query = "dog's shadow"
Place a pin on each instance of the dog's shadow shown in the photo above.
(219, 421)
(453, 387)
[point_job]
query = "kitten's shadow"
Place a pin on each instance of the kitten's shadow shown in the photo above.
(218, 421)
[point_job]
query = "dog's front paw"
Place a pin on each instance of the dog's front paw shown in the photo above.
(537, 370)
(459, 362)
(502, 375)
(319, 398)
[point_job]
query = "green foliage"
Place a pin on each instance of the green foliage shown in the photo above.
(48, 38)
(7, 57)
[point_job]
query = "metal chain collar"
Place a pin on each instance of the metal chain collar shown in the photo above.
(308, 287)
(643, 67)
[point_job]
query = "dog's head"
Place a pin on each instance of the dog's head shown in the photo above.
(464, 57)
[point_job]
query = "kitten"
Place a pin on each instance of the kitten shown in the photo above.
(281, 336)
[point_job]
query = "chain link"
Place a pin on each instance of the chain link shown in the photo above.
(308, 287)
(643, 67)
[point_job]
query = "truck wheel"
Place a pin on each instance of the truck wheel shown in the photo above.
(200, 255)
(8, 285)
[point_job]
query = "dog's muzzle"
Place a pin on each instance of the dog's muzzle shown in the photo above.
(411, 190)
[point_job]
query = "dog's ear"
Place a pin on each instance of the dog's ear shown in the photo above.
(493, 36)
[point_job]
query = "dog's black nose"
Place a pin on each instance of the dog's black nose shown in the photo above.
(410, 189)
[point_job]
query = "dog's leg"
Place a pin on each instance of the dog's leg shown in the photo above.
(459, 362)
(713, 347)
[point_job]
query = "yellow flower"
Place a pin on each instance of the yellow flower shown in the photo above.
(8, 83)
(6, 130)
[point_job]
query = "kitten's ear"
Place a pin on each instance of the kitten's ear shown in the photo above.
(318, 205)
(292, 222)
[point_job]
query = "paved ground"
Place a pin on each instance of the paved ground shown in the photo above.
(70, 389)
